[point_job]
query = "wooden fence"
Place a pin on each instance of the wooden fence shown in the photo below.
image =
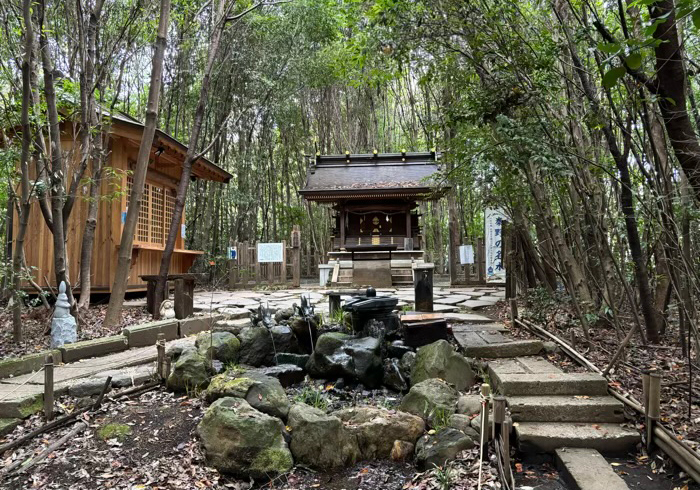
(245, 270)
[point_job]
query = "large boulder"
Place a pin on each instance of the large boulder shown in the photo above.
(429, 399)
(190, 372)
(439, 360)
(439, 448)
(284, 340)
(222, 346)
(240, 440)
(264, 393)
(376, 429)
(319, 440)
(256, 346)
(338, 355)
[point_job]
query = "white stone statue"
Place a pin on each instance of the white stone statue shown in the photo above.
(167, 309)
(64, 330)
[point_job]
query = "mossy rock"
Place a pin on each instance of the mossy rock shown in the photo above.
(429, 399)
(115, 431)
(264, 393)
(241, 440)
(222, 346)
(190, 372)
(439, 360)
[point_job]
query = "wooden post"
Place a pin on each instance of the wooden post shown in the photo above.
(48, 388)
(485, 393)
(654, 410)
(296, 256)
(160, 348)
(513, 310)
(499, 415)
(480, 261)
(184, 302)
(505, 258)
(257, 264)
(168, 361)
(333, 303)
(342, 228)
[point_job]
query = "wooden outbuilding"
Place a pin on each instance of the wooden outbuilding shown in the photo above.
(155, 216)
(376, 232)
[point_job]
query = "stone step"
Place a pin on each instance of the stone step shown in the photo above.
(536, 376)
(573, 408)
(493, 344)
(546, 437)
(587, 469)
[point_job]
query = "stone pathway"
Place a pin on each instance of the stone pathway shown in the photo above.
(567, 414)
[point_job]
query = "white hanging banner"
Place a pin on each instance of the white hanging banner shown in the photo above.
(493, 230)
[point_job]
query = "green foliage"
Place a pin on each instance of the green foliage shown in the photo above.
(313, 396)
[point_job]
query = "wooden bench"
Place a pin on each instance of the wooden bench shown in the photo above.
(184, 293)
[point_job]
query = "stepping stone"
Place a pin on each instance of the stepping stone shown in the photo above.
(21, 401)
(570, 408)
(452, 299)
(479, 327)
(438, 308)
(536, 376)
(546, 437)
(475, 304)
(494, 344)
(587, 469)
(467, 317)
(8, 425)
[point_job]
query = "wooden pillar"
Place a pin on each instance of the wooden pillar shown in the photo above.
(409, 231)
(184, 301)
(342, 227)
(480, 261)
(453, 233)
(48, 387)
(423, 287)
(296, 256)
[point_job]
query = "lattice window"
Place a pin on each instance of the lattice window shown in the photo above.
(157, 198)
(169, 208)
(143, 227)
(156, 213)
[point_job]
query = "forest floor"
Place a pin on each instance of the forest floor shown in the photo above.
(36, 324)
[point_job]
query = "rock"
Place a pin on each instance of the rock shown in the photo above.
(306, 332)
(462, 423)
(284, 340)
(222, 346)
(476, 425)
(262, 392)
(256, 346)
(320, 441)
(397, 349)
(175, 348)
(428, 397)
(287, 374)
(234, 313)
(376, 429)
(441, 447)
(551, 347)
(469, 404)
(408, 360)
(87, 387)
(283, 315)
(402, 451)
(393, 377)
(241, 440)
(439, 360)
(290, 358)
(190, 372)
(339, 355)
(233, 326)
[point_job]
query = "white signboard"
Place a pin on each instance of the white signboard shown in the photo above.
(493, 229)
(270, 252)
(466, 254)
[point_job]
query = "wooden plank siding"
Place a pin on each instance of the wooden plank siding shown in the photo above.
(146, 260)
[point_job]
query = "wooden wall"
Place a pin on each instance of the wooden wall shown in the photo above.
(38, 245)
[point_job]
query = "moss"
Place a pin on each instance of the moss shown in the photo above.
(115, 431)
(273, 460)
(222, 385)
(30, 407)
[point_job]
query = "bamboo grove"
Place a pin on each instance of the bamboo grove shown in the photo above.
(578, 117)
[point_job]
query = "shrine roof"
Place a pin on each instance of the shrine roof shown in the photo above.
(378, 175)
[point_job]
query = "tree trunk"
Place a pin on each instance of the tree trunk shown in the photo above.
(183, 185)
(139, 178)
